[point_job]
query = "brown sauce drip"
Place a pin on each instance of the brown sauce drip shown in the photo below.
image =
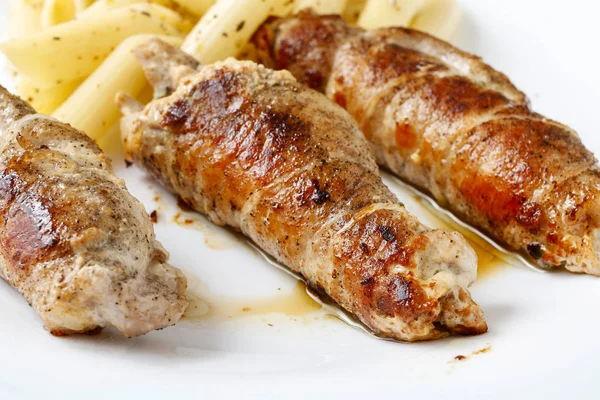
(295, 303)
(484, 350)
(489, 258)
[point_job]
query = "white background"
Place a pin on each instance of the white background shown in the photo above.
(543, 327)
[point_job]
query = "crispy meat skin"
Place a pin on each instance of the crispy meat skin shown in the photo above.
(255, 150)
(73, 241)
(445, 121)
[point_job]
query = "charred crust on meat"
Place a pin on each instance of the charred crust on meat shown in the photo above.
(400, 297)
(368, 281)
(535, 250)
(184, 115)
(386, 233)
(319, 195)
(154, 216)
(363, 247)
(184, 204)
(390, 61)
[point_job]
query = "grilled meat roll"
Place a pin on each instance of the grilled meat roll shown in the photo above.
(73, 241)
(257, 151)
(448, 123)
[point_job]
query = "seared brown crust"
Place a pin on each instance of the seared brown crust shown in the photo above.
(257, 151)
(445, 121)
(73, 241)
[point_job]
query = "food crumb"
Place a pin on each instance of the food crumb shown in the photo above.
(246, 309)
(484, 350)
(270, 324)
(460, 357)
(154, 217)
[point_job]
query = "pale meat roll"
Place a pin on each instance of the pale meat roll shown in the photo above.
(255, 150)
(73, 241)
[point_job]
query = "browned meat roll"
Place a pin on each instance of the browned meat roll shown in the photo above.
(448, 123)
(257, 151)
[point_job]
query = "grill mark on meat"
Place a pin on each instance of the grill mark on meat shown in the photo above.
(29, 234)
(305, 46)
(389, 61)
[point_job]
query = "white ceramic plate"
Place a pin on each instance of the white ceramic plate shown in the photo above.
(543, 338)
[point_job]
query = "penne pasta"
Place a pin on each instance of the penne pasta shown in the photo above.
(323, 7)
(56, 12)
(74, 49)
(24, 17)
(81, 5)
(159, 10)
(101, 6)
(92, 108)
(45, 100)
(353, 10)
(440, 18)
(197, 7)
(165, 14)
(384, 13)
(228, 25)
(110, 144)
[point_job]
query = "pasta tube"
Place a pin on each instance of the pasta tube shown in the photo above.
(45, 100)
(56, 12)
(197, 7)
(322, 6)
(92, 108)
(24, 17)
(439, 18)
(228, 25)
(383, 13)
(75, 49)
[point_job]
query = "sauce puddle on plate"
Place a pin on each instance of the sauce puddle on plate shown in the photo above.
(489, 259)
(296, 303)
(492, 255)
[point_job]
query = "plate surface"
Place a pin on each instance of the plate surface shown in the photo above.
(543, 338)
